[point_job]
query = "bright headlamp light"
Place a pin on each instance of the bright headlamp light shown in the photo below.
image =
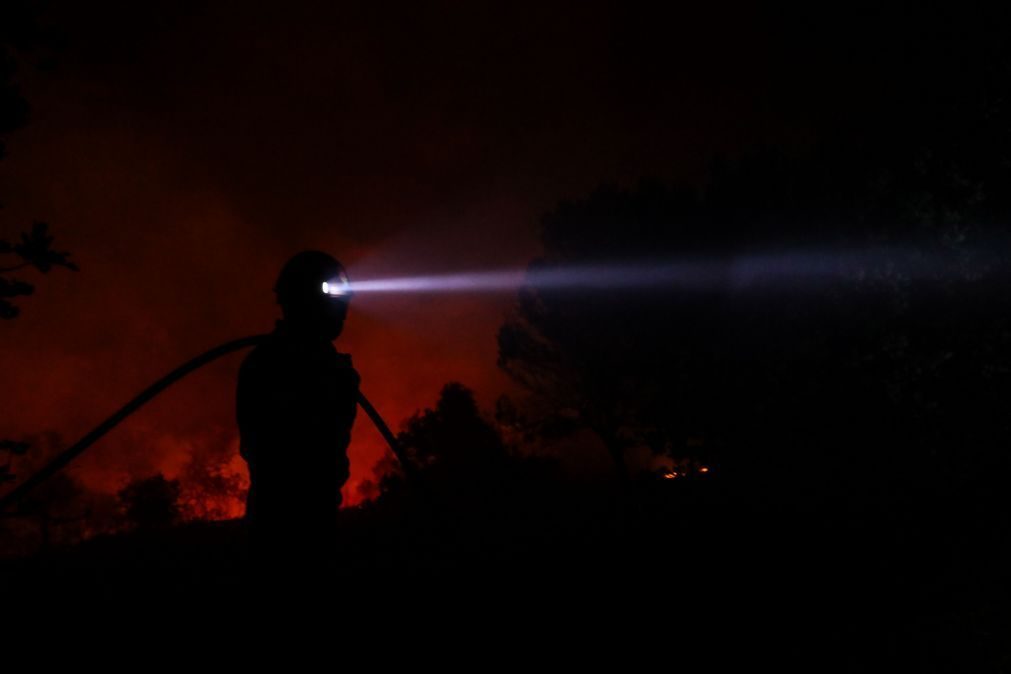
(337, 287)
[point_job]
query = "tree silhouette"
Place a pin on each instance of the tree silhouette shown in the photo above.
(18, 31)
(34, 250)
(912, 157)
(471, 500)
(785, 377)
(151, 503)
(452, 444)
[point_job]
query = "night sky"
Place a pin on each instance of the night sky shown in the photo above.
(183, 152)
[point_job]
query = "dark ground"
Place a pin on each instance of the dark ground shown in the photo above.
(916, 584)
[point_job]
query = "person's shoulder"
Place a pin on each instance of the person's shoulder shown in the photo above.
(260, 356)
(257, 353)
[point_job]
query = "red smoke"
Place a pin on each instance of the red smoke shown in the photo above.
(182, 155)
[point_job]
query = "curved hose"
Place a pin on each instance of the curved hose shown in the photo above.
(72, 452)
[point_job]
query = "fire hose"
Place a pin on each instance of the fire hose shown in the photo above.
(75, 450)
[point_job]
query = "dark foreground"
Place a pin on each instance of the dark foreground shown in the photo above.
(921, 583)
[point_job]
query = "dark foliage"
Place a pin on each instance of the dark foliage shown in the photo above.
(452, 446)
(151, 503)
(897, 369)
(18, 31)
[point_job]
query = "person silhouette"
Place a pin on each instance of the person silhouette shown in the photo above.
(296, 402)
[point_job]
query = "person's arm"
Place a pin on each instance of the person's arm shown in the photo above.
(349, 382)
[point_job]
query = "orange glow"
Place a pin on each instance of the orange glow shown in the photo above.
(200, 271)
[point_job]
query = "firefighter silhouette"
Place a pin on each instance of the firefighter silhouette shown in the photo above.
(295, 405)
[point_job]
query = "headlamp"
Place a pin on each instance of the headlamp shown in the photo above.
(337, 287)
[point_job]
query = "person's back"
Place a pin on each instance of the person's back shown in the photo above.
(295, 405)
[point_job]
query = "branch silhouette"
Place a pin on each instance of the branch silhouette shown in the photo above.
(35, 250)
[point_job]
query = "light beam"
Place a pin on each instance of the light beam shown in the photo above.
(798, 270)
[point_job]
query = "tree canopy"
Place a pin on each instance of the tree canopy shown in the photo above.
(894, 363)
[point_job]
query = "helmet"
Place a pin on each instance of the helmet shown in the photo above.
(309, 275)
